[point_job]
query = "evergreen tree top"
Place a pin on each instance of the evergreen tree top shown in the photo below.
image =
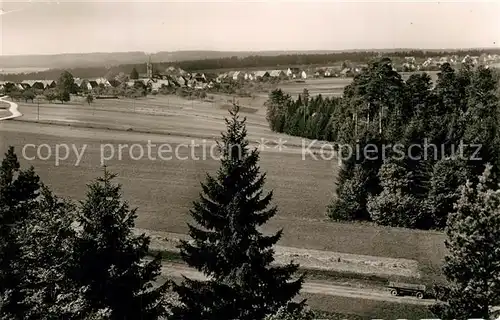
(227, 245)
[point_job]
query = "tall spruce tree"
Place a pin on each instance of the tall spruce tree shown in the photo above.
(227, 245)
(472, 265)
(18, 192)
(110, 264)
(48, 242)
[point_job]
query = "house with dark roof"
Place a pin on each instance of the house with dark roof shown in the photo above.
(292, 72)
(182, 81)
(93, 84)
(261, 75)
(114, 83)
(31, 84)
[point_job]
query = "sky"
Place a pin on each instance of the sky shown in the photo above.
(37, 27)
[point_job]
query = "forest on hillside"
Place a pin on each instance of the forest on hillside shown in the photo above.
(446, 133)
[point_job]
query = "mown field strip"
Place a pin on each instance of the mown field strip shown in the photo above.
(309, 258)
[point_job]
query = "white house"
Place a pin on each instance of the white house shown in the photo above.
(156, 86)
(474, 59)
(277, 74)
(86, 85)
(221, 77)
(428, 62)
(249, 76)
(410, 59)
(102, 81)
(238, 75)
(145, 81)
(443, 60)
(409, 66)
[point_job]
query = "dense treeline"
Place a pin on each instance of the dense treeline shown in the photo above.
(452, 125)
(254, 61)
(65, 260)
(309, 117)
(315, 59)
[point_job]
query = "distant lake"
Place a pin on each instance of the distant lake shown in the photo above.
(21, 70)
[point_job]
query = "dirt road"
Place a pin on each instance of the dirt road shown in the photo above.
(13, 109)
(176, 271)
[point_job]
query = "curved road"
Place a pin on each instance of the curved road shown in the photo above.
(12, 109)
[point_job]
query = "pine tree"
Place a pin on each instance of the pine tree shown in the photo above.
(472, 265)
(110, 264)
(65, 86)
(276, 107)
(48, 243)
(350, 204)
(227, 245)
(18, 193)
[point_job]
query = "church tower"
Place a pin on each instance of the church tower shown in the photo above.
(149, 68)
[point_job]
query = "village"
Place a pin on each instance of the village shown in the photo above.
(173, 77)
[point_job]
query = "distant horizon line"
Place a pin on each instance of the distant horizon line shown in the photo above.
(259, 51)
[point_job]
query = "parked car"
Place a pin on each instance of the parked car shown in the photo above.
(401, 288)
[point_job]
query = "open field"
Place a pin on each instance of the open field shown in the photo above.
(330, 86)
(366, 309)
(323, 86)
(303, 188)
(164, 190)
(22, 70)
(4, 112)
(166, 114)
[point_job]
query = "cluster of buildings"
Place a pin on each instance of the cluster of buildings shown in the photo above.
(29, 84)
(176, 77)
(171, 77)
(290, 73)
(411, 64)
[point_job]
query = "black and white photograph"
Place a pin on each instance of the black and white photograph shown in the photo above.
(249, 160)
